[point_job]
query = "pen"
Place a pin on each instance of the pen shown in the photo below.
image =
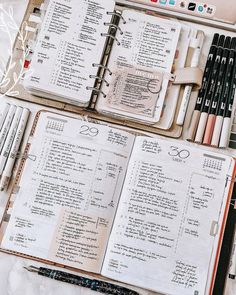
(9, 140)
(217, 92)
(206, 76)
(3, 115)
(7, 171)
(188, 88)
(95, 285)
(6, 125)
(228, 108)
(208, 94)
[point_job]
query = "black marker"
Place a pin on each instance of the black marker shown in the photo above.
(229, 102)
(209, 92)
(202, 91)
(217, 91)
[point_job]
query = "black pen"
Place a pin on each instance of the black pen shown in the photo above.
(209, 92)
(217, 91)
(95, 285)
(206, 77)
(226, 96)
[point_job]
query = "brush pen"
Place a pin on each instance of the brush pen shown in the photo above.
(228, 88)
(217, 92)
(95, 285)
(6, 126)
(209, 92)
(8, 168)
(4, 114)
(10, 138)
(224, 137)
(206, 76)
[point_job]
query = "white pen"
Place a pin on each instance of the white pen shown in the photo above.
(10, 138)
(232, 266)
(4, 114)
(188, 88)
(6, 125)
(7, 172)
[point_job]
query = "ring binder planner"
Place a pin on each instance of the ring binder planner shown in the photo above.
(93, 90)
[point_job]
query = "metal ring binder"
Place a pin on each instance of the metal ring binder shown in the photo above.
(111, 36)
(99, 78)
(96, 90)
(117, 14)
(111, 25)
(103, 67)
(108, 35)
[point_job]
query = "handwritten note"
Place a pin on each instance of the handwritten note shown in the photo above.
(68, 44)
(161, 238)
(145, 42)
(64, 194)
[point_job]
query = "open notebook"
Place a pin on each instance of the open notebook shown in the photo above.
(116, 60)
(158, 225)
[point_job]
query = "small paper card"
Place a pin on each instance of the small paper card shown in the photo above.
(135, 90)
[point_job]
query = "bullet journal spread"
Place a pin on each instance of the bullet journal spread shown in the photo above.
(151, 227)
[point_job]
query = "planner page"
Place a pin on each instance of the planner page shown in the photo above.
(68, 44)
(141, 60)
(68, 193)
(168, 217)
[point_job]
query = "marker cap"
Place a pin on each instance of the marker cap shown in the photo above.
(193, 125)
(215, 39)
(227, 42)
(209, 129)
(217, 131)
(221, 41)
(233, 43)
(225, 133)
(201, 127)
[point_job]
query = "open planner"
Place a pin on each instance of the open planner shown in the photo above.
(90, 57)
(139, 59)
(151, 227)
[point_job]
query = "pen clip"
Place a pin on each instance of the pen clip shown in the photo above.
(214, 228)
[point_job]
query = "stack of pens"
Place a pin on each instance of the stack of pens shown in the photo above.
(211, 119)
(13, 122)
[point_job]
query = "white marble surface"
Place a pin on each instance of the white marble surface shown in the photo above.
(14, 279)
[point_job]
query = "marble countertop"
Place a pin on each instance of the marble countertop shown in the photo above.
(14, 279)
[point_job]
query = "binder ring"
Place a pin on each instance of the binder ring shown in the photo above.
(96, 90)
(111, 25)
(99, 78)
(111, 36)
(117, 14)
(103, 67)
